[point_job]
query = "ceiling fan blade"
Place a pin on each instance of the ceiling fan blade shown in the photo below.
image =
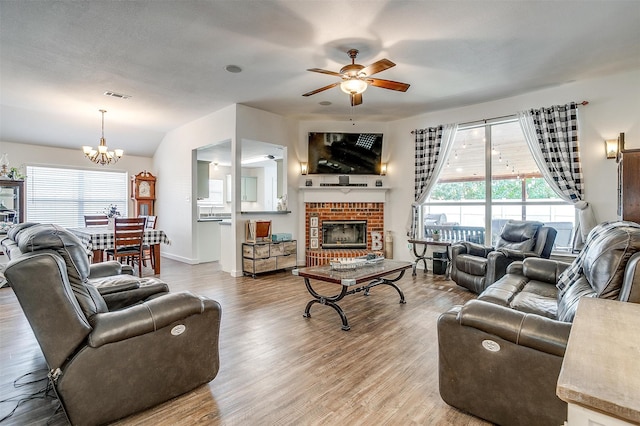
(313, 92)
(321, 71)
(356, 99)
(376, 67)
(388, 84)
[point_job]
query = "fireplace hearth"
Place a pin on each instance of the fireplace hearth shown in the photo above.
(341, 234)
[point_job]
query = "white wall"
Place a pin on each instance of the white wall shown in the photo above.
(175, 189)
(173, 160)
(37, 155)
(614, 107)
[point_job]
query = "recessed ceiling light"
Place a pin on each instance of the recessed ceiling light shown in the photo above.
(233, 69)
(325, 103)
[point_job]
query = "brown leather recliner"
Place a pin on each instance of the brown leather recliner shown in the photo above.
(475, 266)
(109, 361)
(500, 356)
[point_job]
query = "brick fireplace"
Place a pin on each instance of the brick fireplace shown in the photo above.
(317, 212)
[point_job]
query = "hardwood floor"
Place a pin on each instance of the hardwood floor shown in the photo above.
(278, 368)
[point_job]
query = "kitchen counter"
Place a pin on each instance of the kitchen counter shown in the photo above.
(214, 217)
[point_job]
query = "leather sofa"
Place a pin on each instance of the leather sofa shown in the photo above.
(475, 266)
(109, 359)
(500, 355)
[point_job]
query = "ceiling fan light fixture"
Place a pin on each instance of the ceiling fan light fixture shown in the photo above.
(355, 78)
(353, 86)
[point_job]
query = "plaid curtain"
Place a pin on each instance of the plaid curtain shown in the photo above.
(433, 146)
(552, 137)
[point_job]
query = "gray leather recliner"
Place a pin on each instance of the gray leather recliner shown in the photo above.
(107, 362)
(499, 357)
(475, 266)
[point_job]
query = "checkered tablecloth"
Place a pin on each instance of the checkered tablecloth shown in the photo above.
(101, 238)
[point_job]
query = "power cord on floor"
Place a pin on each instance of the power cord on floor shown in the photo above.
(45, 392)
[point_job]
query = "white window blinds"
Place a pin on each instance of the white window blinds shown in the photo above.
(64, 196)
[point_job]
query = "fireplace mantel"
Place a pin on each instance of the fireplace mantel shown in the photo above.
(344, 194)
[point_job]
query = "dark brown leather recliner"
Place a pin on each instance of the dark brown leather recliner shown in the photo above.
(108, 361)
(499, 357)
(475, 266)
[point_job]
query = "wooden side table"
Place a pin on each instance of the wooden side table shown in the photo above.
(268, 256)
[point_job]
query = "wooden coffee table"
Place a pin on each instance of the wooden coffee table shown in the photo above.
(351, 282)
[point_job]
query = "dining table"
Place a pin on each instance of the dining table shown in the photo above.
(99, 238)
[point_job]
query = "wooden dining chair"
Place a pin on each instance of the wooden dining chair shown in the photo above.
(128, 234)
(147, 250)
(95, 220)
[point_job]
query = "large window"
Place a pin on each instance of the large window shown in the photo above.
(64, 196)
(490, 177)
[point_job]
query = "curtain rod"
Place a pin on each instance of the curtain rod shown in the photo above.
(498, 118)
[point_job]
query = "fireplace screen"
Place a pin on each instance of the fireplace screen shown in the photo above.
(344, 234)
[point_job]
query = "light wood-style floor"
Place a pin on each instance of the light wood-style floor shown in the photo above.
(278, 368)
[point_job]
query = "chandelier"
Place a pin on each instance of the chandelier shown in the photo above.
(102, 155)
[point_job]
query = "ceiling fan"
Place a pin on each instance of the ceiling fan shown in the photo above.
(356, 78)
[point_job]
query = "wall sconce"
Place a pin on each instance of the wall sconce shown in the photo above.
(383, 169)
(611, 147)
(304, 168)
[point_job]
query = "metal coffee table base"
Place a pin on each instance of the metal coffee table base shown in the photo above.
(331, 300)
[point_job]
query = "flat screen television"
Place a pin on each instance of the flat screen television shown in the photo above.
(345, 153)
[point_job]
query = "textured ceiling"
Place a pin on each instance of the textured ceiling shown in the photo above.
(57, 58)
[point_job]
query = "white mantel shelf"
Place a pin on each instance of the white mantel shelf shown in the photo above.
(344, 194)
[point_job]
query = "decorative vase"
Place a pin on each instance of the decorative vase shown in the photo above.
(436, 237)
(111, 223)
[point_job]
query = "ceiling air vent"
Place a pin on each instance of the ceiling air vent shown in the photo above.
(116, 95)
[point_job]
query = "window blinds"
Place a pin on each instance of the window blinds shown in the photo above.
(63, 196)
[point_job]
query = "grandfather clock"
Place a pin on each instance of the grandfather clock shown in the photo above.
(143, 193)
